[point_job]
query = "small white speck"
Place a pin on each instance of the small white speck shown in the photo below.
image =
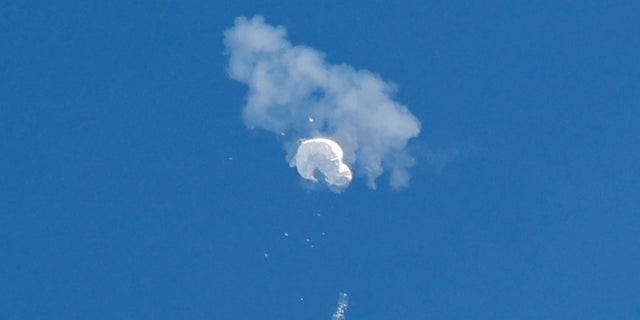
(230, 158)
(266, 254)
(286, 234)
(307, 240)
(282, 133)
(311, 120)
(301, 299)
(322, 233)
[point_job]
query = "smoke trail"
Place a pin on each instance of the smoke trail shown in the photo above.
(294, 93)
(343, 303)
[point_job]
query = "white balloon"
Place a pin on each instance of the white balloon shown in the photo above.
(323, 155)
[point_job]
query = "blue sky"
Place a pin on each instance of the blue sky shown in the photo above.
(118, 198)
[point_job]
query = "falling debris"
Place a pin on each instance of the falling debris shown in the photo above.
(343, 302)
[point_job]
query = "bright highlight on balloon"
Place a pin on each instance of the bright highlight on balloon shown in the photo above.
(323, 155)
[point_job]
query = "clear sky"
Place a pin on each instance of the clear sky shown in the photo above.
(130, 187)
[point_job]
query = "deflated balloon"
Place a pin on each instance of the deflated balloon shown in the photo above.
(323, 155)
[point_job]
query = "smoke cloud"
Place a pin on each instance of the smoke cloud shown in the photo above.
(294, 93)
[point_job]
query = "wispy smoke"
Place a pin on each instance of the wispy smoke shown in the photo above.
(294, 93)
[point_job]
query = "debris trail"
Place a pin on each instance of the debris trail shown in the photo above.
(343, 303)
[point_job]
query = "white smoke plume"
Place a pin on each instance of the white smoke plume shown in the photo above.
(294, 93)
